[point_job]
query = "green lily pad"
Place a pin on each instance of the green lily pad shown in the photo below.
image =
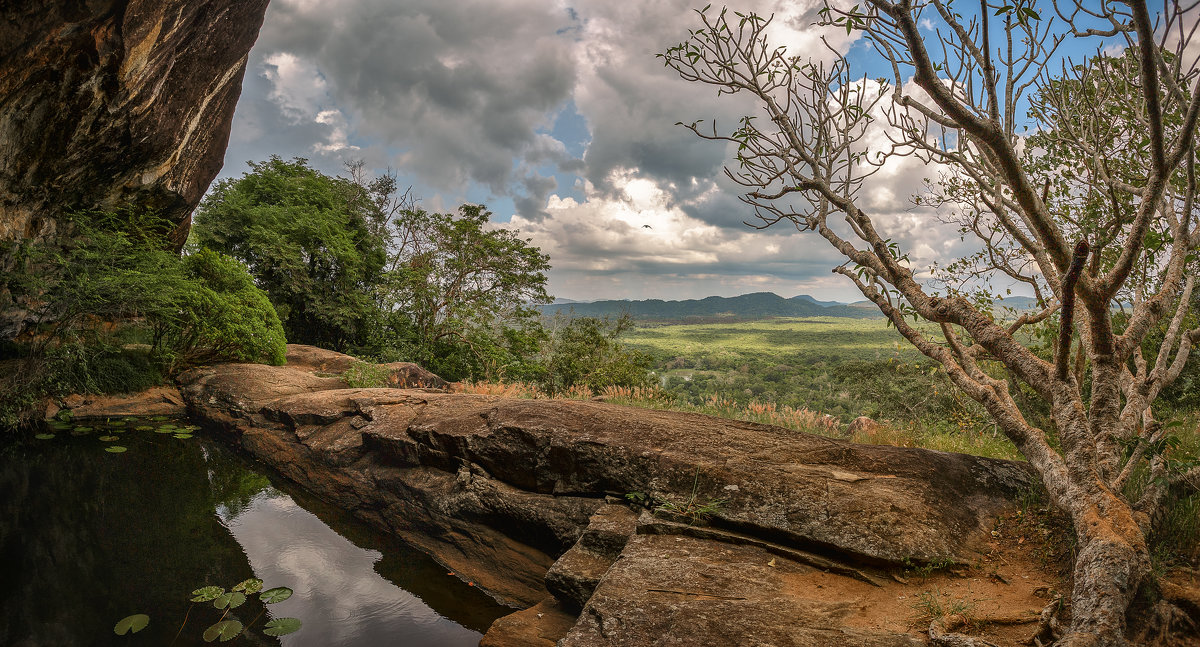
(116, 423)
(44, 436)
(160, 418)
(207, 593)
(60, 425)
(226, 630)
(118, 431)
(144, 427)
(249, 586)
(281, 626)
(83, 430)
(115, 449)
(183, 436)
(108, 439)
(277, 594)
(232, 599)
(192, 427)
(165, 430)
(132, 624)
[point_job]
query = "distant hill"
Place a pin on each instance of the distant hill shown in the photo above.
(758, 305)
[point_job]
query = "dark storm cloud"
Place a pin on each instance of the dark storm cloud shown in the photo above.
(460, 88)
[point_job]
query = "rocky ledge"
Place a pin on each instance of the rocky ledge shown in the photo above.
(542, 503)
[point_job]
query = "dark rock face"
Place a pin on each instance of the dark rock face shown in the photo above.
(526, 498)
(115, 102)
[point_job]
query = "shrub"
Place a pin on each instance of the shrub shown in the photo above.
(220, 316)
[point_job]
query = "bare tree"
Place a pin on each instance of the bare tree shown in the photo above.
(1090, 201)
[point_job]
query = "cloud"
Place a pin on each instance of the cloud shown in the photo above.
(489, 101)
(608, 243)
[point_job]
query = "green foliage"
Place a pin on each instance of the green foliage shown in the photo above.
(309, 240)
(364, 375)
(131, 624)
(220, 316)
(587, 351)
(116, 279)
(225, 629)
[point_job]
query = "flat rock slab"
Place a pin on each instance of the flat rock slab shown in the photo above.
(156, 401)
(685, 591)
(881, 503)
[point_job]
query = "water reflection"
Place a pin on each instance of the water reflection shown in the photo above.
(88, 537)
(338, 594)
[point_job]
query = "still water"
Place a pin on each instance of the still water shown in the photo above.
(89, 536)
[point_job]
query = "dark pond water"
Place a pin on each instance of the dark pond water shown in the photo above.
(88, 537)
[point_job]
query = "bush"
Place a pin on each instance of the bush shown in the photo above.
(220, 316)
(588, 352)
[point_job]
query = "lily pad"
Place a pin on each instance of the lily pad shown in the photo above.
(183, 436)
(45, 436)
(226, 630)
(165, 430)
(277, 594)
(82, 429)
(207, 593)
(115, 449)
(281, 626)
(60, 425)
(160, 418)
(108, 439)
(232, 599)
(144, 427)
(116, 423)
(250, 586)
(133, 624)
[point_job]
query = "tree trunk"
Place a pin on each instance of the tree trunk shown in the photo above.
(1112, 562)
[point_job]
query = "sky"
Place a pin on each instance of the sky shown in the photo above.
(560, 119)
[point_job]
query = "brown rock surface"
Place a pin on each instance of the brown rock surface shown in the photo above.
(114, 103)
(678, 590)
(498, 488)
(156, 401)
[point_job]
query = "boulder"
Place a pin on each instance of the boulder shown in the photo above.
(317, 360)
(527, 497)
(113, 103)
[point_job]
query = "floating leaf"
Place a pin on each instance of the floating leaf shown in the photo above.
(192, 427)
(60, 425)
(250, 586)
(232, 599)
(281, 626)
(132, 624)
(183, 436)
(116, 423)
(83, 430)
(44, 436)
(165, 430)
(277, 594)
(159, 418)
(115, 449)
(108, 439)
(144, 427)
(226, 630)
(207, 593)
(118, 431)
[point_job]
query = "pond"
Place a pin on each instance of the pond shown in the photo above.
(90, 534)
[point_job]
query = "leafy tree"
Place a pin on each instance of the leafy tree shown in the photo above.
(311, 241)
(462, 288)
(587, 351)
(1115, 224)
